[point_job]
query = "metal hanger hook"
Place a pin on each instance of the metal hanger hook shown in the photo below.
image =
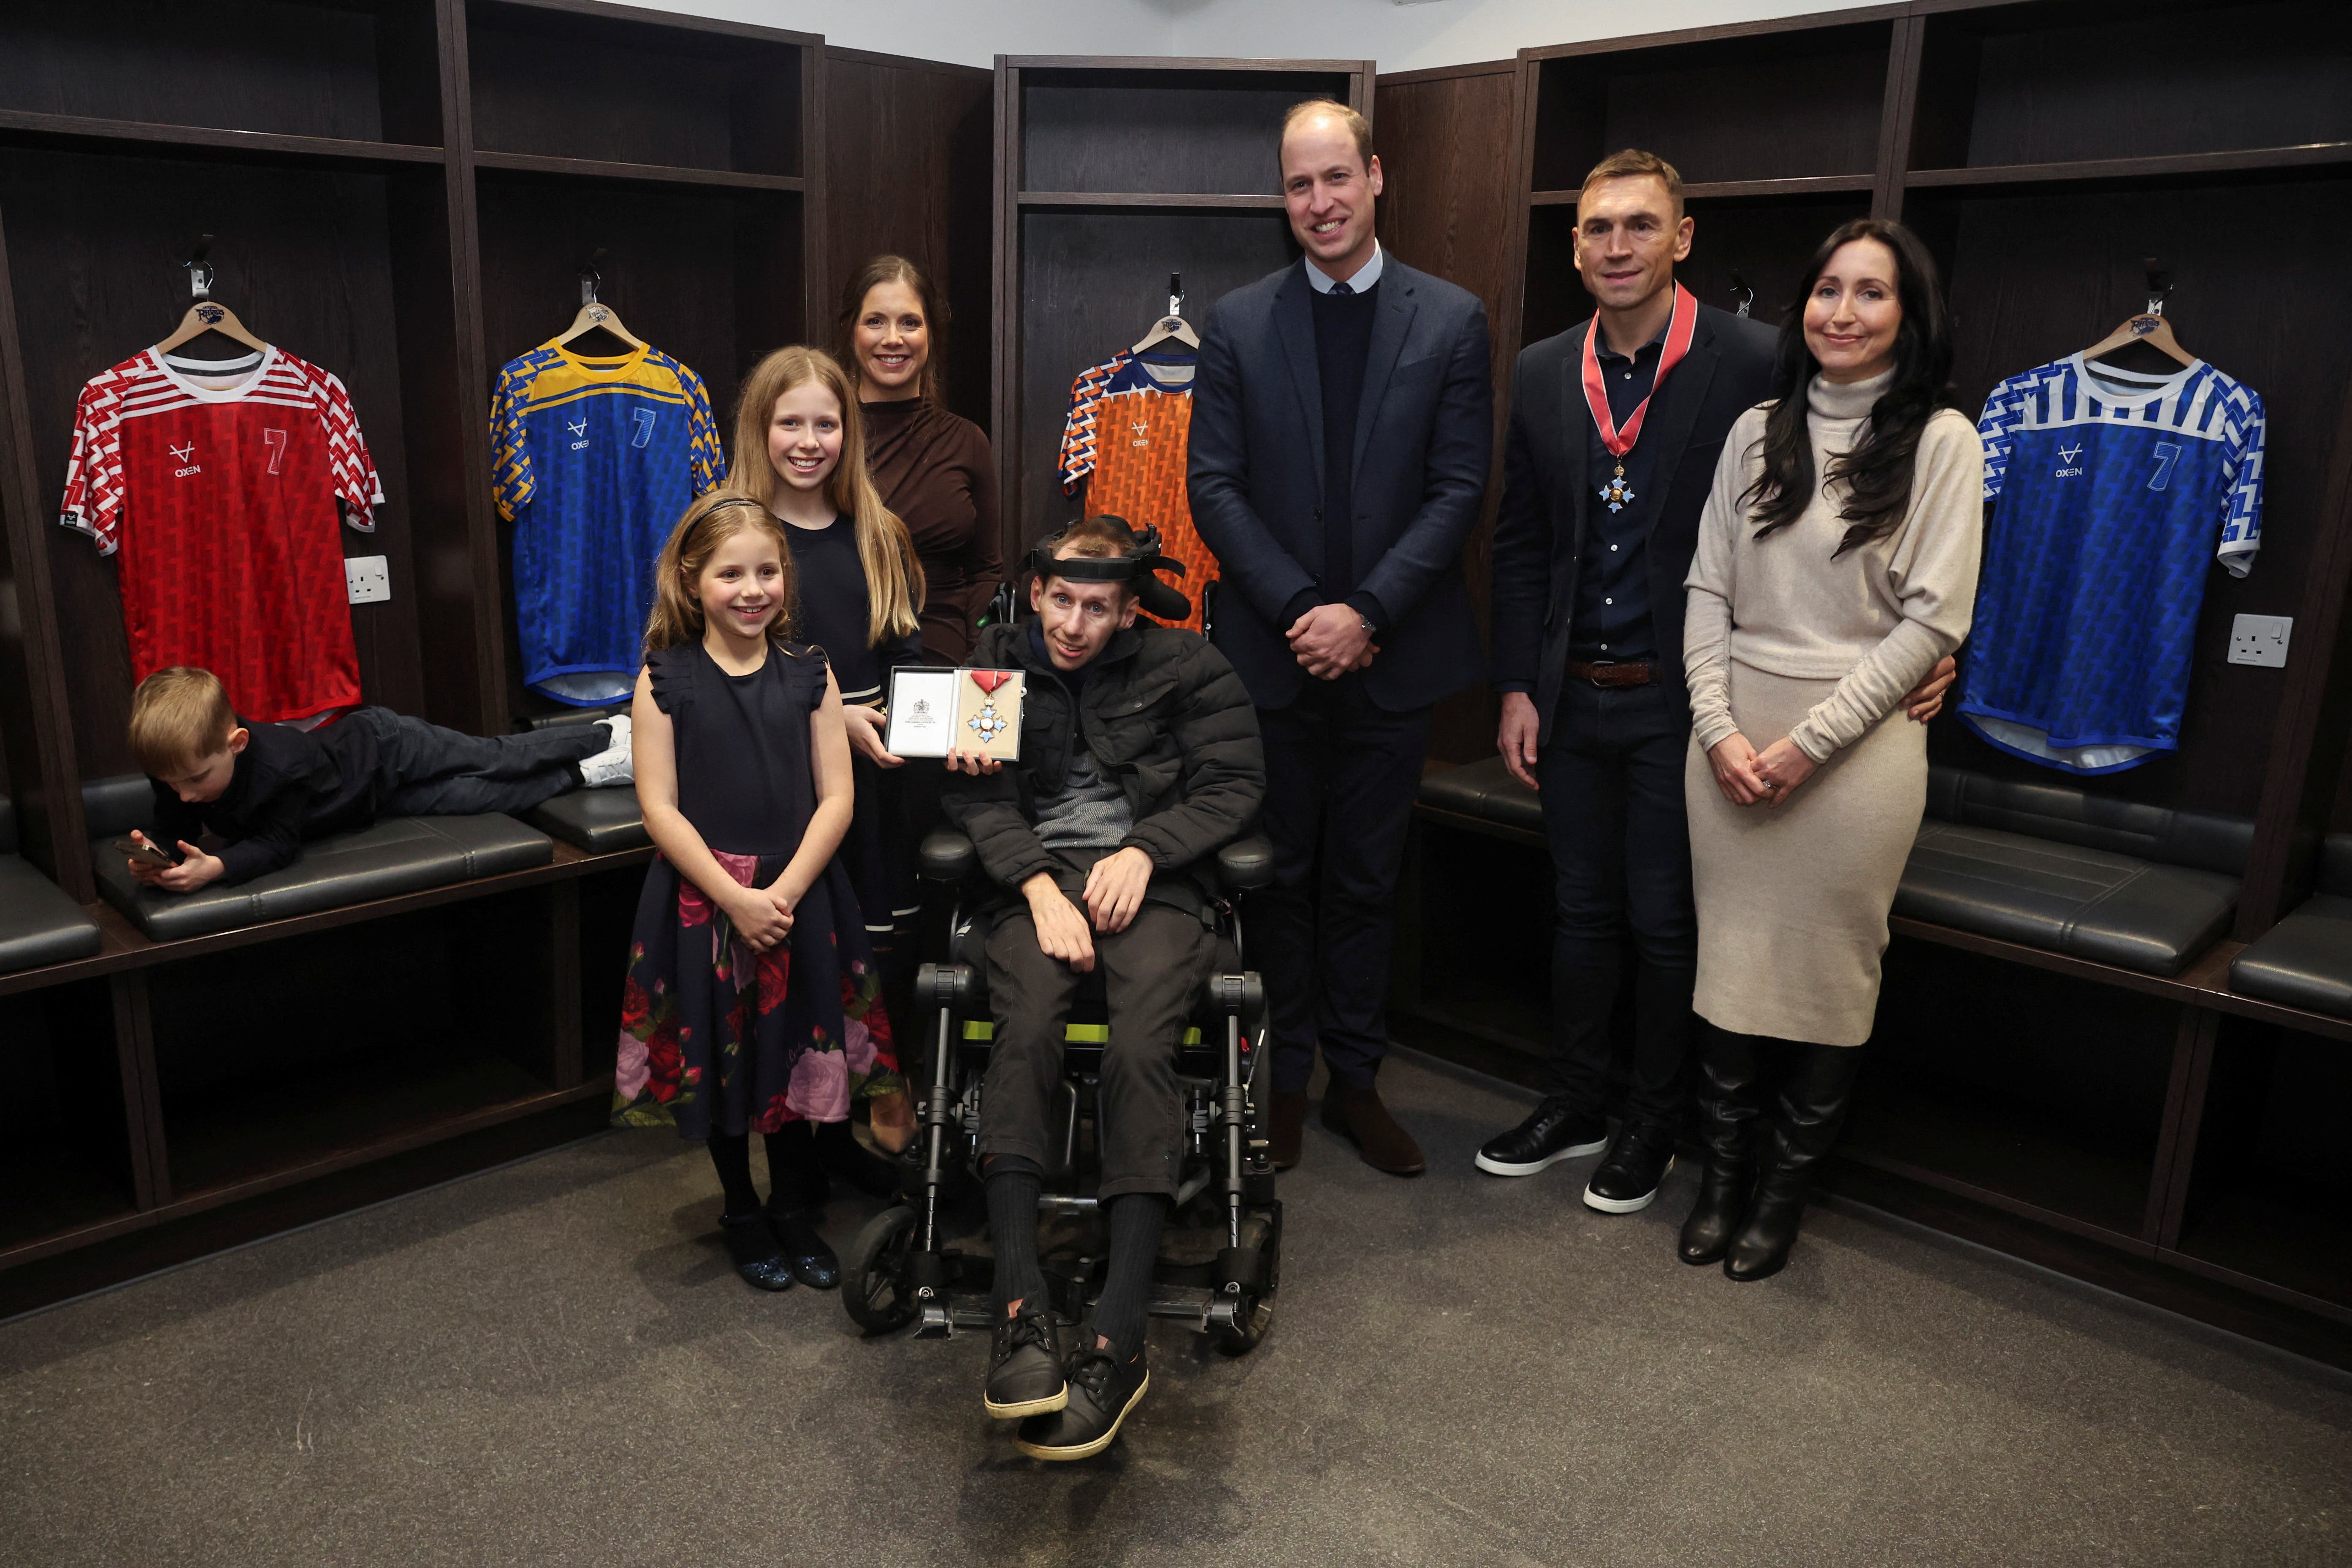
(199, 271)
(2159, 285)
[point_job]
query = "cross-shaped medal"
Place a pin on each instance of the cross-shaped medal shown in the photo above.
(1615, 493)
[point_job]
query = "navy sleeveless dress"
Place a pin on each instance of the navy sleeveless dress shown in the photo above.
(716, 1038)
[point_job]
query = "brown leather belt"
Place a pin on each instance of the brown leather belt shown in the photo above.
(1630, 673)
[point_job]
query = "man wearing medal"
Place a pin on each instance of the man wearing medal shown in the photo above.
(1616, 426)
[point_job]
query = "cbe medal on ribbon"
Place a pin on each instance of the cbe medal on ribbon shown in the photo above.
(935, 712)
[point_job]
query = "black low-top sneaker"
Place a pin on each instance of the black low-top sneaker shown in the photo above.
(1629, 1178)
(1104, 1391)
(1025, 1368)
(1555, 1132)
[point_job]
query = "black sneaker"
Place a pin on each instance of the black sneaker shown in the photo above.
(1104, 1391)
(1555, 1133)
(1024, 1369)
(1626, 1181)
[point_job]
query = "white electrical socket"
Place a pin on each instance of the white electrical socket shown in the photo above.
(2260, 639)
(368, 578)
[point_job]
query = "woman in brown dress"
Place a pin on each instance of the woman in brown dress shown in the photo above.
(934, 468)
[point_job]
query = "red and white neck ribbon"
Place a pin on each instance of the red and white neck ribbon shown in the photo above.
(1596, 391)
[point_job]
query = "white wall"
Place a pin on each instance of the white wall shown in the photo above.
(1401, 37)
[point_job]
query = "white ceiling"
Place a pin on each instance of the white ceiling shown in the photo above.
(1401, 34)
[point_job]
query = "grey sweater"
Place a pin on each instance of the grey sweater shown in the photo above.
(1875, 620)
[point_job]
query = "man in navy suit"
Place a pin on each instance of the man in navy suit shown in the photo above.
(1616, 427)
(1342, 422)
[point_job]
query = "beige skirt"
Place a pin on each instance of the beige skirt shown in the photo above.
(1792, 900)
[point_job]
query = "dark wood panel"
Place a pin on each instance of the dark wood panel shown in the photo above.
(907, 171)
(597, 87)
(1090, 285)
(635, 174)
(304, 256)
(2172, 169)
(1446, 208)
(2018, 306)
(249, 65)
(1160, 131)
(712, 280)
(2055, 84)
(1720, 111)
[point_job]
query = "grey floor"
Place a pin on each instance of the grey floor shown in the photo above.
(551, 1364)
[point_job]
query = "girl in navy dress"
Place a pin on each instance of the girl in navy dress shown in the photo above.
(752, 999)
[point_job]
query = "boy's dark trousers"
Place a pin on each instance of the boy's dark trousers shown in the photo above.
(1152, 974)
(423, 770)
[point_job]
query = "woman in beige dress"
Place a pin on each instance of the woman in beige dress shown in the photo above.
(1836, 565)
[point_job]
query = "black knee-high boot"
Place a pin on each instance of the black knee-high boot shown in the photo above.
(1729, 1105)
(1813, 1102)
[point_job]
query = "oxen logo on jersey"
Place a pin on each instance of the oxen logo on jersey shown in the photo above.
(1142, 429)
(184, 455)
(2069, 456)
(578, 428)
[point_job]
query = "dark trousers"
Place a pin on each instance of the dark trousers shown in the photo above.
(1612, 798)
(1341, 776)
(423, 770)
(1152, 973)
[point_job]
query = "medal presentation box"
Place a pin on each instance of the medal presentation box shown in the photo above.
(935, 712)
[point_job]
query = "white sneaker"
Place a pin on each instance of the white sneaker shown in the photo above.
(615, 763)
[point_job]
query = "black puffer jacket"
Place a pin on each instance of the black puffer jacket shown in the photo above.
(1164, 714)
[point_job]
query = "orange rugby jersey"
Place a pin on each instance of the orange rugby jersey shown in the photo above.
(1125, 443)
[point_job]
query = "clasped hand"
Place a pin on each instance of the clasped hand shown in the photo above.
(762, 916)
(1331, 641)
(1749, 777)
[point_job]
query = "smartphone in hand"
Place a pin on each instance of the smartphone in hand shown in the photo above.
(153, 853)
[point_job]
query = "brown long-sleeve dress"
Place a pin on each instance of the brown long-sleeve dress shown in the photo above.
(935, 469)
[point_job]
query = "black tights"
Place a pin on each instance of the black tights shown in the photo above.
(788, 1152)
(1134, 1221)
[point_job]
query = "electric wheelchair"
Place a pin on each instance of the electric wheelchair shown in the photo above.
(1220, 1261)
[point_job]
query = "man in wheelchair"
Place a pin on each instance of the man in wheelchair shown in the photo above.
(1140, 759)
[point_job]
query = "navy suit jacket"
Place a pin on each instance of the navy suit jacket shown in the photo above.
(1547, 494)
(1424, 439)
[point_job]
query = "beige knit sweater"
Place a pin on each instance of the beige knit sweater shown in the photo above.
(1875, 619)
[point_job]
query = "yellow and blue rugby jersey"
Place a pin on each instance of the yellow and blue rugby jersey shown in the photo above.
(593, 459)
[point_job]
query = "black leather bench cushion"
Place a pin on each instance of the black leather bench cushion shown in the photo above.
(594, 819)
(2065, 815)
(1486, 791)
(2304, 961)
(399, 855)
(8, 845)
(2090, 903)
(111, 807)
(38, 925)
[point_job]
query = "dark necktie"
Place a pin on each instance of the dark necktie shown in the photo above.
(1342, 292)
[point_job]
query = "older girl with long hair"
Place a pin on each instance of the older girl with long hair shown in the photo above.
(798, 452)
(752, 997)
(1836, 565)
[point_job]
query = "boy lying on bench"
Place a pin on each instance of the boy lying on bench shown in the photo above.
(266, 789)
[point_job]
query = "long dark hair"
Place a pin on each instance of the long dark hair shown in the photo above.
(1876, 474)
(880, 269)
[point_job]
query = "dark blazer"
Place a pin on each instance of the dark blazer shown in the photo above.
(1424, 438)
(1548, 492)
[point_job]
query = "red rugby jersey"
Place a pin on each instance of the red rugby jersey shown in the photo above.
(220, 484)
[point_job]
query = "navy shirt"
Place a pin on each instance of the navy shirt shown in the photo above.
(1611, 617)
(288, 785)
(829, 576)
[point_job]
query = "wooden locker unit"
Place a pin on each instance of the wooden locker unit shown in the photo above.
(2148, 1132)
(402, 192)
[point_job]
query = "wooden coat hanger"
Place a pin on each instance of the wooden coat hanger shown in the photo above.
(596, 317)
(1171, 326)
(208, 314)
(2149, 327)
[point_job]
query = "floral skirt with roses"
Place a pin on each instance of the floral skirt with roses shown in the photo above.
(718, 1038)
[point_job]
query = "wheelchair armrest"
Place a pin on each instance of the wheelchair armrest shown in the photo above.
(1246, 863)
(947, 855)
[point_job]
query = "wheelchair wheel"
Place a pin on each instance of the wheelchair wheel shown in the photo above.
(1261, 1230)
(875, 1285)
